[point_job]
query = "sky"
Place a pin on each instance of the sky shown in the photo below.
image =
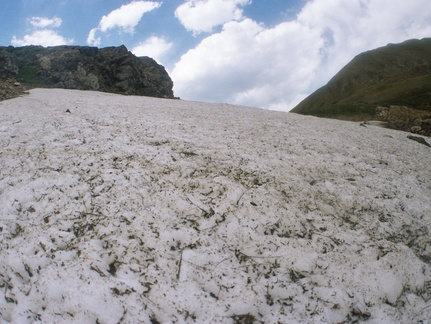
(263, 53)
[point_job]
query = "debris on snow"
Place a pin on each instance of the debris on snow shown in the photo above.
(134, 209)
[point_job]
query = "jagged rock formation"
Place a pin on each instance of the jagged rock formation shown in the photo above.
(396, 77)
(111, 69)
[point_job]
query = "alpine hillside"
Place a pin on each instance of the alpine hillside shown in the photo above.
(391, 84)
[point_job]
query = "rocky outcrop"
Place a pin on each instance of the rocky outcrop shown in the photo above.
(405, 119)
(111, 69)
(419, 140)
(8, 66)
(11, 89)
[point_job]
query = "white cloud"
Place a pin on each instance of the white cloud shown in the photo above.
(203, 15)
(351, 27)
(45, 37)
(248, 64)
(126, 18)
(92, 39)
(154, 47)
(41, 35)
(43, 22)
(275, 68)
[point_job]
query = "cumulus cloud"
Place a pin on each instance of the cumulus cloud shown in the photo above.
(203, 15)
(247, 63)
(43, 22)
(42, 33)
(42, 37)
(351, 27)
(154, 47)
(125, 18)
(92, 39)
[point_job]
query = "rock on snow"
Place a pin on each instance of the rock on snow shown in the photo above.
(121, 209)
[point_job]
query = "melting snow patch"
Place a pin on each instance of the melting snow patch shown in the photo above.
(144, 210)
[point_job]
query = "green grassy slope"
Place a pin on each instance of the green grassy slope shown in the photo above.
(397, 74)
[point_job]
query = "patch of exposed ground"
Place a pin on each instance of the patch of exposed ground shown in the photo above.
(398, 117)
(11, 89)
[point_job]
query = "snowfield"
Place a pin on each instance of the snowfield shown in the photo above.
(118, 209)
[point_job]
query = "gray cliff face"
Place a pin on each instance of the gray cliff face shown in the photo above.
(111, 69)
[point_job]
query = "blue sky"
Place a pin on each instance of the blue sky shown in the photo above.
(263, 53)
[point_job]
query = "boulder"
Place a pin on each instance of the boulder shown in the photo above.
(415, 129)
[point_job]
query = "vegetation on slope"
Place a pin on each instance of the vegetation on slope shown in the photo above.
(394, 75)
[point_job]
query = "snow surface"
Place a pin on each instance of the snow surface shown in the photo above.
(118, 209)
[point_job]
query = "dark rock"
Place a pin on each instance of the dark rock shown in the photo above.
(111, 69)
(417, 122)
(419, 140)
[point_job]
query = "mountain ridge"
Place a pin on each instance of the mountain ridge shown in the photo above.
(110, 69)
(395, 78)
